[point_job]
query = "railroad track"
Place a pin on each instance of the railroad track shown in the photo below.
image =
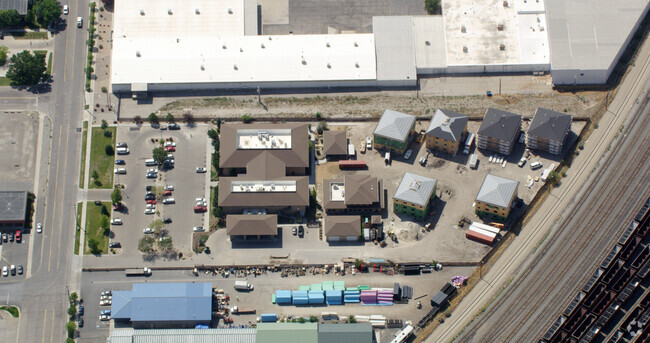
(506, 317)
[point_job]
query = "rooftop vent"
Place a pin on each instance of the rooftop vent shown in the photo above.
(327, 44)
(505, 4)
(263, 46)
(137, 53)
(427, 43)
(178, 40)
(356, 64)
(235, 67)
(196, 10)
(502, 47)
(230, 11)
(304, 62)
(329, 66)
(224, 46)
(241, 50)
(270, 38)
(465, 50)
(202, 67)
(356, 44)
(141, 12)
(169, 11)
(463, 29)
(500, 27)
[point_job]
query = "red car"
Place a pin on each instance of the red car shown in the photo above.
(199, 209)
(117, 207)
(151, 202)
(167, 193)
(18, 236)
(170, 148)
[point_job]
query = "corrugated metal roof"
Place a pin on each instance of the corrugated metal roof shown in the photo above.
(345, 333)
(394, 47)
(287, 333)
(415, 189)
(121, 305)
(500, 124)
(447, 125)
(549, 124)
(394, 125)
(497, 191)
(183, 335)
(429, 41)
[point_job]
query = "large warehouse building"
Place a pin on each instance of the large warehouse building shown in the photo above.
(168, 45)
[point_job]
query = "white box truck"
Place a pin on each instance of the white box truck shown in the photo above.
(242, 285)
(473, 160)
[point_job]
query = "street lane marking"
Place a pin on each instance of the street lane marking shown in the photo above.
(52, 331)
(44, 319)
(56, 179)
(65, 168)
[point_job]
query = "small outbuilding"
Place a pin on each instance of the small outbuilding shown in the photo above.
(342, 228)
(335, 144)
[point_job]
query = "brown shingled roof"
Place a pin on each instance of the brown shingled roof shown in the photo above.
(335, 143)
(231, 157)
(254, 199)
(361, 189)
(251, 224)
(343, 226)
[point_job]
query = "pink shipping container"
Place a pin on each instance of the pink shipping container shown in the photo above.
(473, 235)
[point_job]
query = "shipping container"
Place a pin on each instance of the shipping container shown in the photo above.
(473, 235)
(268, 318)
(352, 164)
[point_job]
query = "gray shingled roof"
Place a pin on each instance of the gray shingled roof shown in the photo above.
(549, 124)
(415, 189)
(497, 191)
(500, 124)
(447, 125)
(394, 125)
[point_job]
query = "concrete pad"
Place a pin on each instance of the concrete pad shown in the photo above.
(18, 137)
(275, 12)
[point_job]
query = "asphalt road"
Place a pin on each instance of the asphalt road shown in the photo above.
(43, 309)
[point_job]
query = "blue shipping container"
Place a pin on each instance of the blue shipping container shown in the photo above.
(268, 318)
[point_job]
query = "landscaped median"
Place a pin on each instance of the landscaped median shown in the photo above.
(77, 231)
(102, 158)
(84, 138)
(97, 227)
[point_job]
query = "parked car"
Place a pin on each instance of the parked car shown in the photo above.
(121, 145)
(167, 220)
(107, 293)
(81, 310)
(120, 170)
(5, 238)
(166, 144)
(151, 206)
(20, 269)
(149, 211)
(199, 209)
(118, 206)
(65, 9)
(149, 196)
(105, 312)
(39, 227)
(148, 230)
(168, 201)
(294, 230)
(13, 269)
(163, 127)
(104, 318)
(198, 229)
(301, 231)
(167, 193)
(5, 271)
(169, 188)
(114, 245)
(151, 202)
(80, 322)
(120, 162)
(116, 221)
(174, 126)
(522, 162)
(200, 170)
(105, 302)
(170, 148)
(152, 175)
(11, 237)
(80, 22)
(368, 143)
(19, 236)
(408, 153)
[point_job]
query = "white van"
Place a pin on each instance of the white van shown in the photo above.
(150, 162)
(535, 165)
(122, 151)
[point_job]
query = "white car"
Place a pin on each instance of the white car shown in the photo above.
(107, 293)
(167, 201)
(65, 9)
(5, 271)
(522, 162)
(80, 22)
(368, 143)
(169, 188)
(120, 170)
(170, 144)
(147, 230)
(408, 153)
(198, 229)
(116, 221)
(200, 170)
(105, 302)
(152, 206)
(106, 297)
(149, 211)
(104, 317)
(39, 227)
(121, 145)
(152, 170)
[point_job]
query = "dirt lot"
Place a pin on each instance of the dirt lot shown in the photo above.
(457, 188)
(582, 104)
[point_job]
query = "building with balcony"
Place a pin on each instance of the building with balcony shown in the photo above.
(498, 131)
(414, 195)
(446, 131)
(548, 131)
(394, 131)
(495, 197)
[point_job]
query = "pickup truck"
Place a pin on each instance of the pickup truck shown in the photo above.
(138, 271)
(243, 286)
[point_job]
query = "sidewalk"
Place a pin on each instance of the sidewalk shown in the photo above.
(555, 206)
(17, 45)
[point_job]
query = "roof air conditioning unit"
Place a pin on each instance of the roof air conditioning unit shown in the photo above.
(356, 44)
(465, 50)
(538, 20)
(263, 46)
(427, 43)
(137, 53)
(235, 67)
(169, 11)
(196, 10)
(502, 47)
(304, 62)
(241, 50)
(505, 4)
(463, 29)
(230, 11)
(141, 12)
(500, 27)
(356, 64)
(224, 46)
(202, 67)
(327, 44)
(329, 66)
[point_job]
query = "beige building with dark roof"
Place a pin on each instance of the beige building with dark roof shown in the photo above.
(251, 226)
(342, 228)
(358, 193)
(335, 144)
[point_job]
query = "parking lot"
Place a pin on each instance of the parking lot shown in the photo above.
(190, 153)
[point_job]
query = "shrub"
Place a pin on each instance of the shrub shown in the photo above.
(4, 51)
(213, 134)
(72, 310)
(432, 6)
(72, 327)
(108, 134)
(137, 119)
(105, 210)
(313, 319)
(94, 175)
(247, 119)
(104, 89)
(109, 150)
(189, 118)
(169, 118)
(73, 297)
(319, 116)
(94, 246)
(146, 244)
(104, 123)
(153, 118)
(352, 319)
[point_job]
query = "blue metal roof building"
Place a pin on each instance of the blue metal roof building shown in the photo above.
(164, 305)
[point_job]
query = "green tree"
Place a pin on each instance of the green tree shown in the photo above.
(30, 18)
(104, 124)
(73, 297)
(301, 320)
(313, 319)
(72, 310)
(153, 118)
(146, 244)
(69, 340)
(26, 69)
(247, 119)
(105, 210)
(72, 327)
(213, 134)
(553, 177)
(9, 18)
(157, 225)
(4, 52)
(169, 118)
(432, 6)
(108, 149)
(352, 319)
(116, 196)
(47, 11)
(94, 175)
(103, 223)
(94, 246)
(159, 155)
(166, 244)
